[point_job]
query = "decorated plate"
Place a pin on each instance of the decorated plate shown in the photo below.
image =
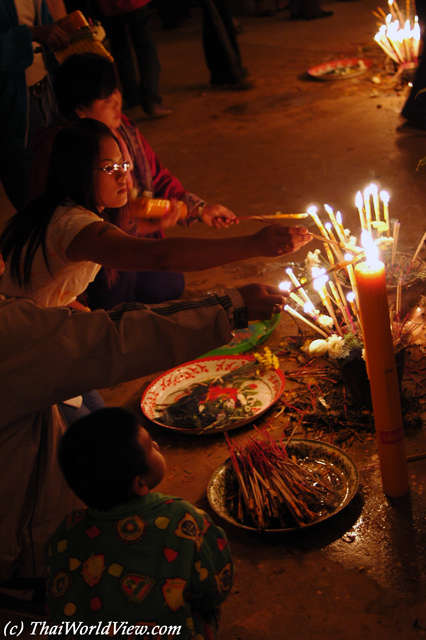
(251, 392)
(245, 339)
(312, 454)
(340, 69)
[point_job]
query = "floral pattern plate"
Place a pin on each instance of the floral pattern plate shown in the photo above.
(267, 387)
(340, 69)
(310, 453)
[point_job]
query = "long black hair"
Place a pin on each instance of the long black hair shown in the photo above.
(75, 153)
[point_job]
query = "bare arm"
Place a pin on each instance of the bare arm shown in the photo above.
(107, 245)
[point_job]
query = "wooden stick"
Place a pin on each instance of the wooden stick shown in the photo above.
(276, 215)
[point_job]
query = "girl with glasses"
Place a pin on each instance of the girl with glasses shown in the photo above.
(86, 86)
(56, 245)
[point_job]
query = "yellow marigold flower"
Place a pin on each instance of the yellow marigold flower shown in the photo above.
(267, 359)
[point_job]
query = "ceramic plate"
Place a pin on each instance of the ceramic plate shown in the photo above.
(245, 339)
(310, 453)
(341, 69)
(170, 386)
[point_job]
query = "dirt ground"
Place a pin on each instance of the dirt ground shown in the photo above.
(285, 144)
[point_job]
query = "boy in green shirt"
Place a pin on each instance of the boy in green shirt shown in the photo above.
(136, 563)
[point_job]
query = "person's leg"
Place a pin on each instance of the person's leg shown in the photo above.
(141, 32)
(414, 109)
(312, 10)
(170, 12)
(220, 44)
(118, 37)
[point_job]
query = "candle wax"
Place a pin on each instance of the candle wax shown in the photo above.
(382, 374)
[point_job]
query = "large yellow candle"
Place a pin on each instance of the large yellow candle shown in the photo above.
(382, 374)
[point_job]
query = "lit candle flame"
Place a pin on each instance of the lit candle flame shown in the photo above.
(308, 307)
(339, 218)
(285, 285)
(321, 278)
(350, 297)
(312, 210)
(371, 249)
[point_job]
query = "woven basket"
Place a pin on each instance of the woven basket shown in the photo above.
(81, 36)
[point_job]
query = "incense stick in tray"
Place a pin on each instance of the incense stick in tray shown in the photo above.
(271, 485)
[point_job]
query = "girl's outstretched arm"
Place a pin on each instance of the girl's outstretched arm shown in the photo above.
(105, 244)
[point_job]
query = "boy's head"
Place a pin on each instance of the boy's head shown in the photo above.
(82, 79)
(108, 458)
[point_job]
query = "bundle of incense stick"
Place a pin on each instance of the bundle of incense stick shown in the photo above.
(274, 490)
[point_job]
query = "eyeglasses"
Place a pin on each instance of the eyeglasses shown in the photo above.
(113, 168)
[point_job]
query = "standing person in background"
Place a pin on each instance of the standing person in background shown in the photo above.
(221, 48)
(26, 99)
(307, 10)
(130, 20)
(263, 9)
(414, 110)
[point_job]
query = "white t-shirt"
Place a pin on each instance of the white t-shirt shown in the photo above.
(67, 279)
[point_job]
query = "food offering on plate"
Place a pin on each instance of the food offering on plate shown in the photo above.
(340, 69)
(269, 485)
(213, 394)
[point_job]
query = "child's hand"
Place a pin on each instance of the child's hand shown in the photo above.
(218, 216)
(274, 240)
(143, 226)
(51, 36)
(262, 300)
(171, 217)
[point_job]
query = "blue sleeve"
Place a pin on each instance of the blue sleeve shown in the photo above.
(16, 45)
(16, 51)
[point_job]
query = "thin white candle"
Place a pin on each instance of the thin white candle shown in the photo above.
(286, 287)
(305, 320)
(396, 226)
(334, 223)
(375, 195)
(295, 281)
(384, 196)
(359, 203)
(367, 208)
(419, 248)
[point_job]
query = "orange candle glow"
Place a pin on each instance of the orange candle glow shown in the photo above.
(382, 374)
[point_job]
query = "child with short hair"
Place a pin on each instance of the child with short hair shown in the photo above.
(134, 556)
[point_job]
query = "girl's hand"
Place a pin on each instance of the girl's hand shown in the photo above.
(276, 240)
(217, 216)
